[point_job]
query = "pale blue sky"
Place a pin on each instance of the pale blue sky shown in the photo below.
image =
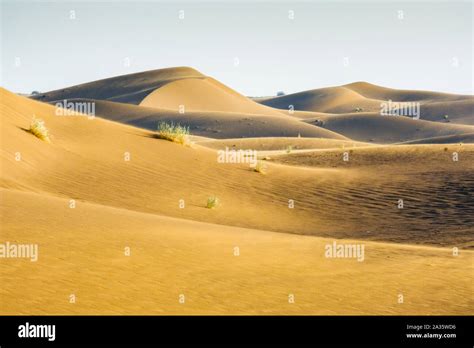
(275, 53)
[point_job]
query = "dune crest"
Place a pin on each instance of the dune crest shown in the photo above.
(366, 97)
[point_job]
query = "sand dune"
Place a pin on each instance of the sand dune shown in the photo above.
(372, 127)
(365, 97)
(372, 91)
(158, 176)
(86, 162)
(170, 88)
(203, 95)
(458, 112)
(435, 189)
(211, 124)
(132, 88)
(329, 100)
(129, 188)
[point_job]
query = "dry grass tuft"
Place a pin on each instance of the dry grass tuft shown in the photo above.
(212, 202)
(173, 132)
(260, 167)
(38, 129)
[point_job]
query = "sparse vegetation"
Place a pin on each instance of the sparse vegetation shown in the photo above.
(212, 202)
(260, 167)
(289, 148)
(173, 132)
(38, 129)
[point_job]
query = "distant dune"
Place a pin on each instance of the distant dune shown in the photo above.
(365, 97)
(214, 110)
(372, 91)
(132, 88)
(372, 127)
(165, 89)
(329, 100)
(458, 112)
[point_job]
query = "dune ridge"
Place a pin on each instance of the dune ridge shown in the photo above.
(367, 98)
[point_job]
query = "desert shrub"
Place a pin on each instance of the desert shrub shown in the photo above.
(212, 202)
(260, 167)
(38, 129)
(173, 132)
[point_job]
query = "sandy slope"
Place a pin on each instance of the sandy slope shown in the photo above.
(203, 95)
(372, 127)
(281, 143)
(448, 139)
(122, 203)
(459, 111)
(81, 252)
(435, 189)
